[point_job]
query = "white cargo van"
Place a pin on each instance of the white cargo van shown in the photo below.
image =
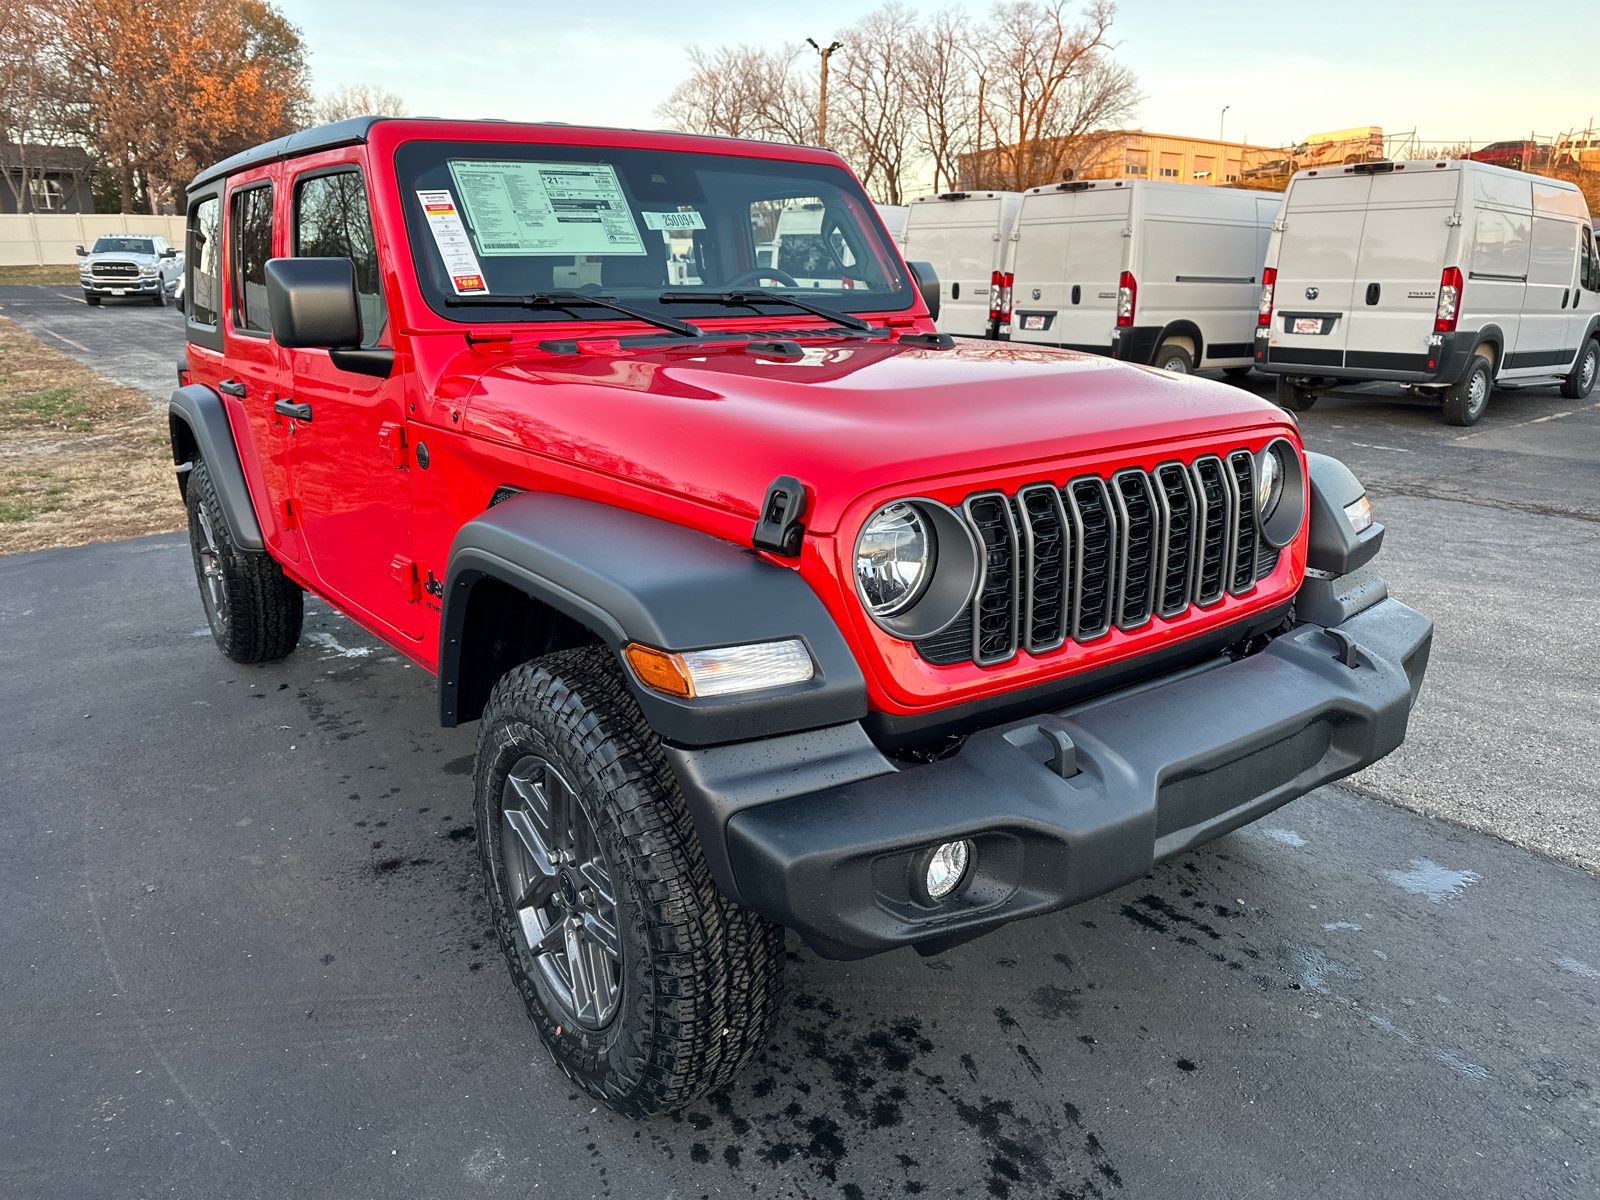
(1450, 276)
(893, 217)
(1165, 274)
(963, 234)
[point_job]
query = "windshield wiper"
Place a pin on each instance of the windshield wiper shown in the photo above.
(749, 297)
(571, 300)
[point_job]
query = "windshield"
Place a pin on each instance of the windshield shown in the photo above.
(514, 220)
(123, 245)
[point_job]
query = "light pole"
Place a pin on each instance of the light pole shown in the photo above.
(1222, 121)
(822, 100)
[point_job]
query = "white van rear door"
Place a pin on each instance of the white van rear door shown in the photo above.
(1096, 257)
(1039, 266)
(1403, 243)
(1317, 251)
(958, 238)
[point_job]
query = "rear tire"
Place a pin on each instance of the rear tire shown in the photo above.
(1580, 382)
(589, 856)
(1466, 401)
(255, 611)
(1294, 397)
(1173, 358)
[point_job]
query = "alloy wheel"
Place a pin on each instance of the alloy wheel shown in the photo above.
(561, 892)
(213, 583)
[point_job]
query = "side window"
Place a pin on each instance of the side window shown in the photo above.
(250, 245)
(205, 262)
(1589, 269)
(331, 220)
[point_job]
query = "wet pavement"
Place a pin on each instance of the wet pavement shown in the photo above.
(247, 955)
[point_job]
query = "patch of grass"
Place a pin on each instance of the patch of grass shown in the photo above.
(55, 273)
(29, 492)
(53, 407)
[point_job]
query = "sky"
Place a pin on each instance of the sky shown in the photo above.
(1283, 70)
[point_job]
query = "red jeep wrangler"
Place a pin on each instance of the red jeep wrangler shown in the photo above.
(775, 607)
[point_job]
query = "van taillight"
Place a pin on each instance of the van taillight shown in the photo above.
(1127, 297)
(1444, 317)
(1269, 277)
(1000, 297)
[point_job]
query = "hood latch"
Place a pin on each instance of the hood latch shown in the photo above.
(778, 529)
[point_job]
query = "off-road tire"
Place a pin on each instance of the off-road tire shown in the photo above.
(254, 610)
(1237, 372)
(1174, 359)
(1578, 384)
(1466, 400)
(92, 301)
(700, 978)
(1294, 397)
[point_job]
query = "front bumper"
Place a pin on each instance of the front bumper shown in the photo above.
(145, 286)
(1160, 769)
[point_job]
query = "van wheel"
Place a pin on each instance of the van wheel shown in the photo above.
(1173, 358)
(1581, 382)
(254, 610)
(648, 987)
(1294, 397)
(1237, 372)
(1465, 402)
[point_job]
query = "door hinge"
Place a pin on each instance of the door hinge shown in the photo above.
(392, 437)
(1127, 231)
(288, 514)
(1453, 219)
(1279, 225)
(407, 575)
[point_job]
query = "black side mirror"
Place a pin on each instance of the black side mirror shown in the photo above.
(82, 253)
(312, 302)
(169, 252)
(927, 281)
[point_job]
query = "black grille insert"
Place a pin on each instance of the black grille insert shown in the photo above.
(1175, 492)
(1138, 555)
(1095, 585)
(1047, 538)
(994, 632)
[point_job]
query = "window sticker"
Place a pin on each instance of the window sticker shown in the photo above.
(521, 208)
(670, 221)
(451, 237)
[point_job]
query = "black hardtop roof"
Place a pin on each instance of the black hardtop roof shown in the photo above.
(323, 137)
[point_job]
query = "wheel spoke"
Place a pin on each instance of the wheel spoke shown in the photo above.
(581, 969)
(594, 874)
(542, 938)
(603, 934)
(519, 822)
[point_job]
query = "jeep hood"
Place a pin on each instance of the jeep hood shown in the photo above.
(719, 423)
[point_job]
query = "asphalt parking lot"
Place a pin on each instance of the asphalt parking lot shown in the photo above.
(247, 953)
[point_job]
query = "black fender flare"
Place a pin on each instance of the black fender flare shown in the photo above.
(1494, 337)
(197, 423)
(629, 577)
(1591, 333)
(1186, 329)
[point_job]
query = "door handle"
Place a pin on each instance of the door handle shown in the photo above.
(231, 387)
(288, 408)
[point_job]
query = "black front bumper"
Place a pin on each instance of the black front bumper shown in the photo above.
(1160, 769)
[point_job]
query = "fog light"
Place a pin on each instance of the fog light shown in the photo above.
(947, 868)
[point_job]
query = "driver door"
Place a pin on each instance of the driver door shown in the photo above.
(348, 463)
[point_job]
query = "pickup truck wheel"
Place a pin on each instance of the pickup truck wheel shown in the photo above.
(648, 986)
(1465, 402)
(160, 297)
(1580, 382)
(1294, 397)
(1173, 358)
(91, 300)
(255, 611)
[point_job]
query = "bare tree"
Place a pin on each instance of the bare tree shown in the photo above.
(737, 91)
(941, 89)
(873, 126)
(34, 97)
(1054, 86)
(357, 100)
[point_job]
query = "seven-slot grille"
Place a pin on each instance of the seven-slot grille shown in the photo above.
(1072, 562)
(115, 270)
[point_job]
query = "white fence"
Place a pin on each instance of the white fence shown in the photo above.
(35, 240)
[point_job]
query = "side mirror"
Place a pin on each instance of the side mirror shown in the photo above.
(169, 252)
(82, 253)
(312, 302)
(927, 281)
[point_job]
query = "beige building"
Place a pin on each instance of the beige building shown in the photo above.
(1179, 159)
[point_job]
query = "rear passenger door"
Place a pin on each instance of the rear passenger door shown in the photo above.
(255, 367)
(350, 462)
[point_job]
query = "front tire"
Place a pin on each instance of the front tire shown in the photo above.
(160, 298)
(1466, 401)
(254, 610)
(1580, 382)
(647, 985)
(1294, 397)
(91, 300)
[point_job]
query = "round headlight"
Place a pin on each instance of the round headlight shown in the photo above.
(1269, 480)
(894, 558)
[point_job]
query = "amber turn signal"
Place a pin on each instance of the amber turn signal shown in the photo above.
(659, 670)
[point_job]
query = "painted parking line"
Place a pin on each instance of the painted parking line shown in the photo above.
(67, 340)
(1535, 421)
